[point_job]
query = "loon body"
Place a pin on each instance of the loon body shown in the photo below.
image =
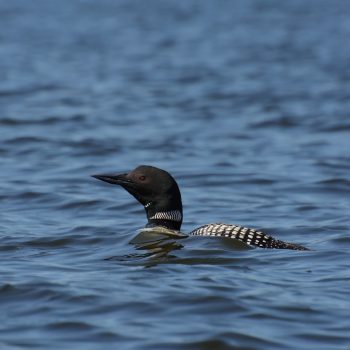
(159, 194)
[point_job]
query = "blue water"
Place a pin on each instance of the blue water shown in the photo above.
(246, 103)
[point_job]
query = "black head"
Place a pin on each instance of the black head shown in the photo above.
(156, 190)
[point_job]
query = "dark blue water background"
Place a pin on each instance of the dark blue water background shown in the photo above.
(246, 103)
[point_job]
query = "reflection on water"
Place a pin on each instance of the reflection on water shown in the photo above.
(158, 244)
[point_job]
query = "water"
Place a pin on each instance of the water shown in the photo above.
(246, 103)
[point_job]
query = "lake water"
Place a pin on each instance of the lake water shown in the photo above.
(246, 103)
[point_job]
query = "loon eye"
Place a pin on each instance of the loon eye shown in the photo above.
(142, 178)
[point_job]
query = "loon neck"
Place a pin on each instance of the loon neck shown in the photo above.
(168, 217)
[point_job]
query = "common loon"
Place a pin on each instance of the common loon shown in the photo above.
(159, 193)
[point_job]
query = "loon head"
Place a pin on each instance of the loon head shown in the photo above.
(156, 190)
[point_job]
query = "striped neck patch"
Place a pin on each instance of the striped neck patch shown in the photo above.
(173, 215)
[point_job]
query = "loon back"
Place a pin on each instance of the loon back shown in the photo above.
(247, 235)
(159, 194)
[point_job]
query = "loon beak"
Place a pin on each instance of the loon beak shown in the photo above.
(114, 179)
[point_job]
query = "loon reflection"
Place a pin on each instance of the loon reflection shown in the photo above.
(157, 243)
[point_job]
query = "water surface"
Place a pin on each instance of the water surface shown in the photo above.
(246, 103)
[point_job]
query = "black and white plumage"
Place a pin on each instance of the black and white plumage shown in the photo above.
(173, 215)
(247, 235)
(159, 193)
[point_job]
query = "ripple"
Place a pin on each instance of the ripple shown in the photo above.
(283, 122)
(307, 207)
(335, 181)
(28, 91)
(222, 341)
(26, 139)
(81, 204)
(68, 240)
(70, 326)
(49, 242)
(47, 120)
(342, 127)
